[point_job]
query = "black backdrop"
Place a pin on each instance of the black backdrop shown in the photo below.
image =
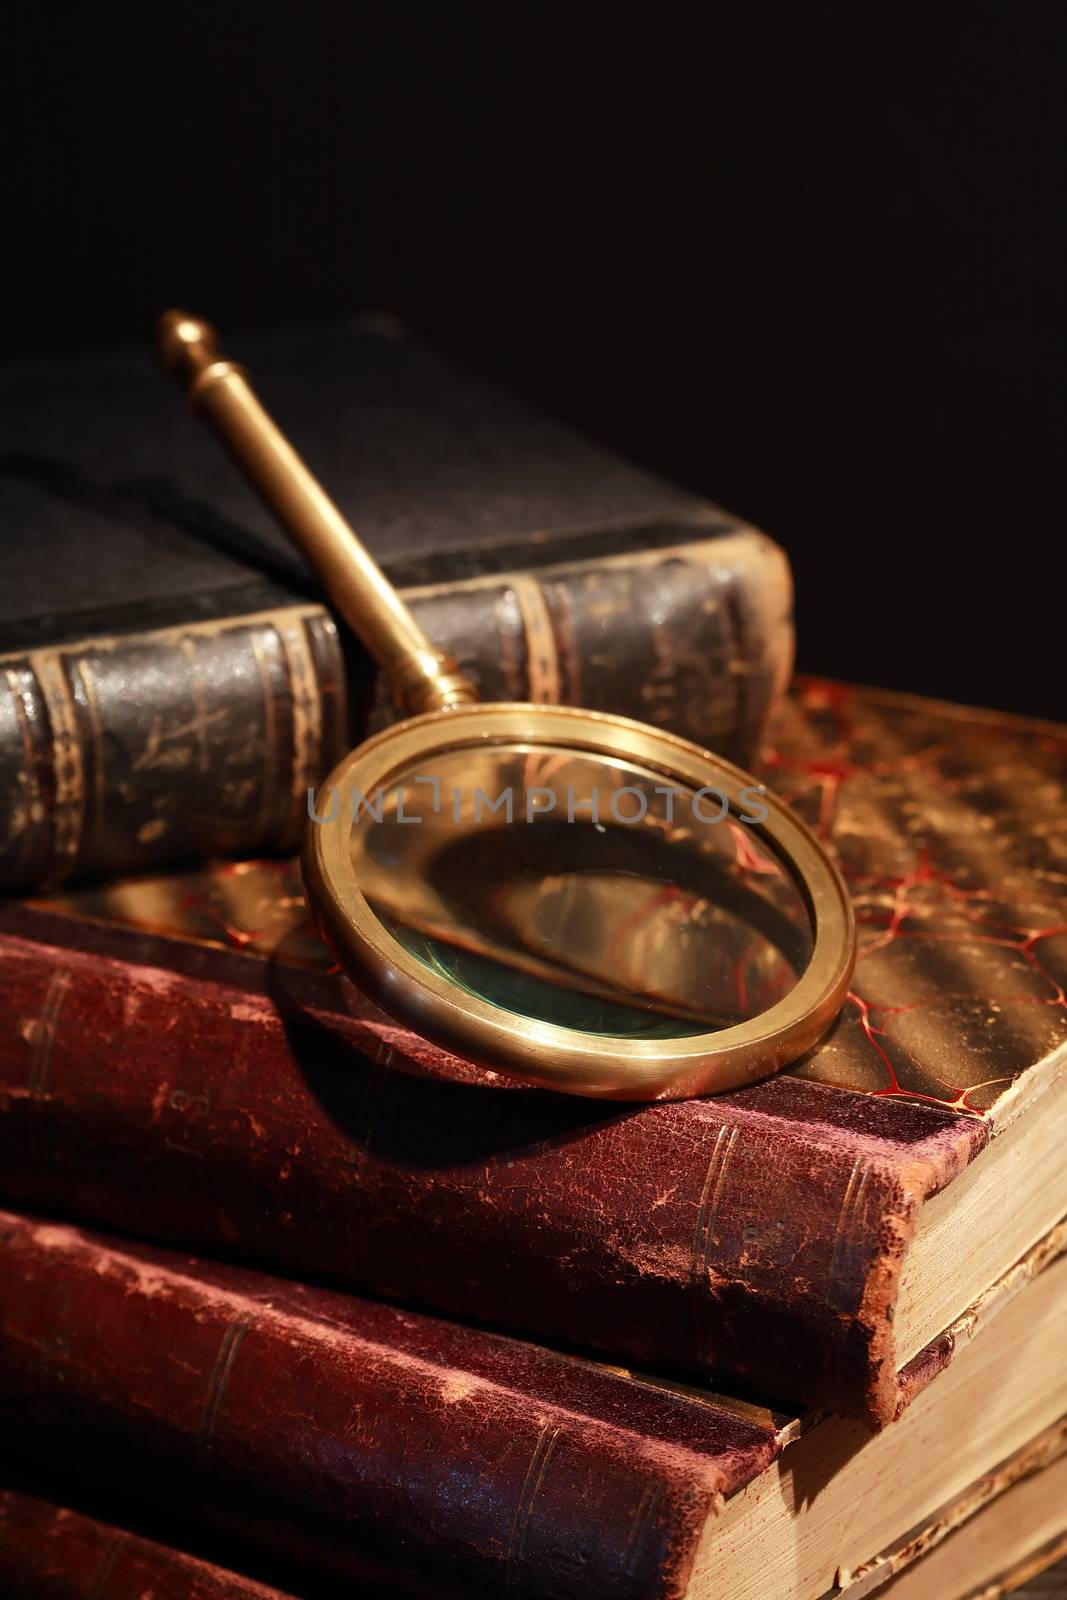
(805, 258)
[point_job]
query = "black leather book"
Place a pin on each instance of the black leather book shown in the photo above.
(170, 680)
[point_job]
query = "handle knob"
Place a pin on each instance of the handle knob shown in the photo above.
(185, 345)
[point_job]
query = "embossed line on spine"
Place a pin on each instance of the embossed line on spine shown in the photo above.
(704, 1232)
(306, 711)
(94, 746)
(68, 802)
(232, 1340)
(543, 1450)
(643, 1520)
(29, 820)
(101, 1578)
(44, 1034)
(840, 1285)
(541, 652)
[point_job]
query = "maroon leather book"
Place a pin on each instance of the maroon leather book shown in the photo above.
(49, 1552)
(368, 1443)
(177, 1060)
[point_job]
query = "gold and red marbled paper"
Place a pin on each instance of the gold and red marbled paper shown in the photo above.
(951, 829)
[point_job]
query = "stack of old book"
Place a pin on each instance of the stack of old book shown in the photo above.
(295, 1304)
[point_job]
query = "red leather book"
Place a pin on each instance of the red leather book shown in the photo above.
(360, 1437)
(48, 1552)
(178, 1061)
(1002, 1530)
(356, 1442)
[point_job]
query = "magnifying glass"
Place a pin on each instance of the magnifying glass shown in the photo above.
(572, 898)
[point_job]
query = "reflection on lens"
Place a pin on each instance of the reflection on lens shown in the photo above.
(581, 891)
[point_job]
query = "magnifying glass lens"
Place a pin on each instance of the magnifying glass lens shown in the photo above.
(581, 890)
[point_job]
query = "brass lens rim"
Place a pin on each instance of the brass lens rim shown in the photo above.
(542, 1053)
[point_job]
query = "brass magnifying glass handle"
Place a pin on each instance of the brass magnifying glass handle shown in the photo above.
(420, 676)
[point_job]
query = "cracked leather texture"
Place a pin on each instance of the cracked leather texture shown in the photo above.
(362, 1441)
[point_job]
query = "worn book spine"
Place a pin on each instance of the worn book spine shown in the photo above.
(370, 1444)
(230, 1105)
(128, 752)
(50, 1552)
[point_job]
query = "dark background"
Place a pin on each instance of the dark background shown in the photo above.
(806, 259)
